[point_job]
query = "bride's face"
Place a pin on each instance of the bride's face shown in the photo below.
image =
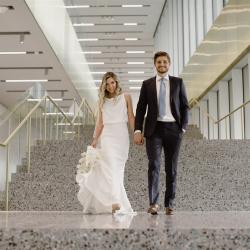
(111, 85)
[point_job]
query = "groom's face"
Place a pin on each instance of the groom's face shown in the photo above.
(162, 64)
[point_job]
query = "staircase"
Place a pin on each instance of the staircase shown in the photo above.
(212, 180)
(212, 175)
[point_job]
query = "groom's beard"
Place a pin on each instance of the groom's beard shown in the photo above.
(162, 72)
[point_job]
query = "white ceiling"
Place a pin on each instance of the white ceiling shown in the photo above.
(28, 66)
(108, 17)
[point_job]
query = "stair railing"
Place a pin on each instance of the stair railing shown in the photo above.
(45, 127)
(226, 118)
(206, 114)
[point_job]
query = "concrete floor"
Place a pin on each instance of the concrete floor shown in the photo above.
(141, 220)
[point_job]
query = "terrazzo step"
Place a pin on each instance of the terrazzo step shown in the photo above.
(44, 195)
(73, 230)
(66, 175)
(2, 201)
(211, 175)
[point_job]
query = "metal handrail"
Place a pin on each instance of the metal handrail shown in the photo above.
(206, 113)
(10, 137)
(66, 117)
(79, 109)
(224, 117)
(83, 102)
(241, 106)
(5, 143)
(14, 110)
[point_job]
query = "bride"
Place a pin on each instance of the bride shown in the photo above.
(102, 189)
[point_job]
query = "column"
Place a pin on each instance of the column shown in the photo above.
(223, 109)
(204, 118)
(213, 111)
(170, 34)
(175, 63)
(180, 37)
(236, 100)
(208, 14)
(217, 7)
(246, 75)
(186, 31)
(199, 22)
(192, 25)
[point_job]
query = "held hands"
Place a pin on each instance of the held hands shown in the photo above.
(94, 142)
(138, 138)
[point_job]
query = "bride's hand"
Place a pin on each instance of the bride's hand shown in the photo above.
(94, 143)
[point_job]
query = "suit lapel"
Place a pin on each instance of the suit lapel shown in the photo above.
(171, 85)
(171, 88)
(154, 91)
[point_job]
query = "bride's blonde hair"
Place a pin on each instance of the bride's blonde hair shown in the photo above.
(103, 88)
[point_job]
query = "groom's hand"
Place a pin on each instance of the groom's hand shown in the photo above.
(138, 138)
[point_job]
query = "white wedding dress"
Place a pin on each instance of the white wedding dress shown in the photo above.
(103, 185)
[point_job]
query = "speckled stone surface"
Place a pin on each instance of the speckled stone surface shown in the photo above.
(73, 230)
(211, 175)
(131, 239)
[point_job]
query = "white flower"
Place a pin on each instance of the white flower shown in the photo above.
(90, 158)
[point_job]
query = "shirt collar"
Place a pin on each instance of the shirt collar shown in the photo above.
(166, 77)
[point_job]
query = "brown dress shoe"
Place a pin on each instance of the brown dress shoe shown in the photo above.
(153, 209)
(169, 211)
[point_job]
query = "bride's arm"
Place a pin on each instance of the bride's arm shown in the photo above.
(131, 117)
(98, 128)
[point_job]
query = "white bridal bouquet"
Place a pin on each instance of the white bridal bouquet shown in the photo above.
(89, 159)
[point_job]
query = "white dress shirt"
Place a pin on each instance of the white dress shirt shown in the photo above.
(168, 117)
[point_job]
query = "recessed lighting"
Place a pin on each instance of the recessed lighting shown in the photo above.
(39, 80)
(38, 99)
(135, 80)
(91, 52)
(130, 24)
(135, 72)
(93, 63)
(135, 51)
(76, 6)
(87, 39)
(135, 62)
(132, 5)
(97, 72)
(83, 24)
(131, 39)
(134, 87)
(95, 81)
(4, 9)
(13, 53)
(92, 88)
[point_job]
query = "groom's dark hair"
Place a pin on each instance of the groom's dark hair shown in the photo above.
(161, 53)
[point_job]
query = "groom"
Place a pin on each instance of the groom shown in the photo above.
(165, 99)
